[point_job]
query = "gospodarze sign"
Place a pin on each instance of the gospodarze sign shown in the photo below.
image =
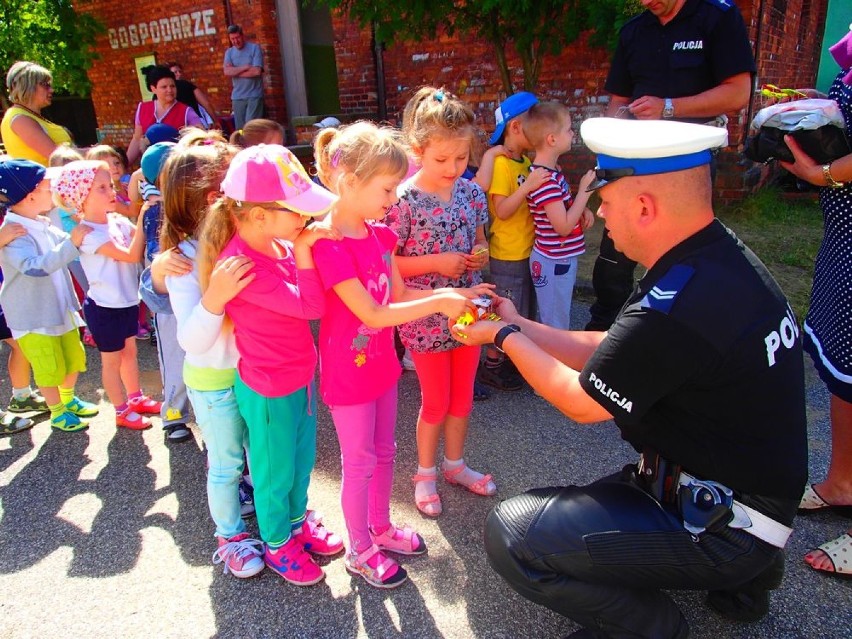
(197, 24)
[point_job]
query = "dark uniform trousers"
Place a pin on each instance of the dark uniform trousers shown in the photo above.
(599, 554)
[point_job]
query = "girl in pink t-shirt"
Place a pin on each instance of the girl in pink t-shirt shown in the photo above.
(266, 198)
(440, 221)
(359, 370)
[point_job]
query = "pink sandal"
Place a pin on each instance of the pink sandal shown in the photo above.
(430, 505)
(479, 487)
(399, 540)
(144, 405)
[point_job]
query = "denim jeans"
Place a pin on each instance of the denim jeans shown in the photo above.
(225, 436)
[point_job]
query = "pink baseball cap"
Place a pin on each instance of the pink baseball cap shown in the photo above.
(271, 173)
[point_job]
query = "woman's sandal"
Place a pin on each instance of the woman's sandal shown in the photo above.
(812, 502)
(479, 487)
(430, 505)
(839, 552)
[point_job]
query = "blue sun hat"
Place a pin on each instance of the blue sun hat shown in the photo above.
(510, 108)
(647, 147)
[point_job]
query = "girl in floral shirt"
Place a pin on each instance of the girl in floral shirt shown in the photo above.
(440, 221)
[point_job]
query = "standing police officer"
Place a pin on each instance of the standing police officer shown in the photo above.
(702, 372)
(687, 60)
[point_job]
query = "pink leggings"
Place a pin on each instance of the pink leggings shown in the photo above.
(446, 382)
(367, 450)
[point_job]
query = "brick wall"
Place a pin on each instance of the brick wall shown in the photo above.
(192, 33)
(788, 34)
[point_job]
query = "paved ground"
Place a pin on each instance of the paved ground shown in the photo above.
(106, 534)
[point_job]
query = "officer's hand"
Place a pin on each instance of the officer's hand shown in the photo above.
(481, 332)
(647, 107)
(803, 165)
(505, 308)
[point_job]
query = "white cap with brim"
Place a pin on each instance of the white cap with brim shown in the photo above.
(647, 147)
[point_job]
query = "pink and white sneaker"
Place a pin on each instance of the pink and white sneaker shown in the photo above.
(316, 538)
(241, 555)
(293, 564)
(403, 541)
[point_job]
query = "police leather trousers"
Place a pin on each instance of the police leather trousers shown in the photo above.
(600, 555)
(612, 279)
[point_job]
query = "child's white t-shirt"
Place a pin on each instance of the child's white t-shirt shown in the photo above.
(112, 284)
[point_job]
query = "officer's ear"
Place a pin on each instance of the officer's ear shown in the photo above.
(648, 209)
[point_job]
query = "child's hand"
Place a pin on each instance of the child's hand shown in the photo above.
(11, 231)
(497, 149)
(453, 304)
(534, 180)
(586, 180)
(452, 264)
(171, 263)
(316, 231)
(478, 257)
(479, 290)
(587, 219)
(78, 233)
(229, 277)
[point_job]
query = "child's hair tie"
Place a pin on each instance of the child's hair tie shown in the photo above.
(239, 131)
(335, 159)
(438, 95)
(208, 141)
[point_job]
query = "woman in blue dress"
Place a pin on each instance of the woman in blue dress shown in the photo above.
(828, 325)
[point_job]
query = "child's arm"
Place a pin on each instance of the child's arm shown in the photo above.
(22, 256)
(305, 298)
(562, 220)
(449, 264)
(406, 304)
(200, 317)
(486, 167)
(134, 195)
(132, 253)
(505, 206)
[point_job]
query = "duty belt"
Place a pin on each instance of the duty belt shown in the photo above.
(706, 505)
(744, 517)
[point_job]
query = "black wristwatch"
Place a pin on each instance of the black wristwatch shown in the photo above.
(503, 333)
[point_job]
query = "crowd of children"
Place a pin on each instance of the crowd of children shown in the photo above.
(235, 248)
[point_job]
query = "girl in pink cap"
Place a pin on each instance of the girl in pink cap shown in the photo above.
(266, 199)
(359, 370)
(110, 255)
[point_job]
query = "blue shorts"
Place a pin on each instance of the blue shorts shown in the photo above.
(110, 327)
(5, 333)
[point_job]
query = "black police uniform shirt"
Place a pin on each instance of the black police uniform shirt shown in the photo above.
(704, 365)
(704, 44)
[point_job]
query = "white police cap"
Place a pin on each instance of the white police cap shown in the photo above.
(647, 147)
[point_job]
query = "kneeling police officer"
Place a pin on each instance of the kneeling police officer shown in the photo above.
(702, 372)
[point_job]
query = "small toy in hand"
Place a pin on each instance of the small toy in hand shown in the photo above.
(484, 311)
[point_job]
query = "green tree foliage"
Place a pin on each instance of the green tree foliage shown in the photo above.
(533, 28)
(49, 33)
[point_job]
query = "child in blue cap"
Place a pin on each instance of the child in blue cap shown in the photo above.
(37, 296)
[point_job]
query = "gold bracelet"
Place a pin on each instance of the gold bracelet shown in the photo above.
(830, 181)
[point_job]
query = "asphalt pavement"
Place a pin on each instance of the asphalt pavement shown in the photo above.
(106, 534)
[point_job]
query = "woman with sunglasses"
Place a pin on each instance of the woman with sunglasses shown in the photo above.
(26, 133)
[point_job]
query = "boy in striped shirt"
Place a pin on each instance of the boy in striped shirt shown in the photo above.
(558, 217)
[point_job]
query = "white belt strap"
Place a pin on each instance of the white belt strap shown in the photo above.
(751, 521)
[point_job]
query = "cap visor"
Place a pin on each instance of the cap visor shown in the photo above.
(598, 183)
(497, 136)
(315, 202)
